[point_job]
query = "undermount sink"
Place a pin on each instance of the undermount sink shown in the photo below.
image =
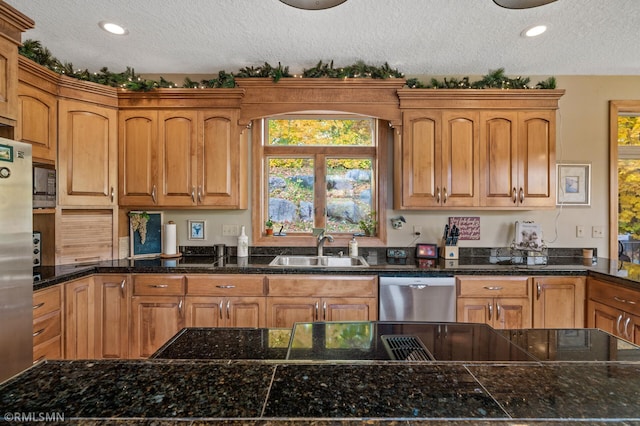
(319, 261)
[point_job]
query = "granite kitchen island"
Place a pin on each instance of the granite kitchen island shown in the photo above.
(330, 372)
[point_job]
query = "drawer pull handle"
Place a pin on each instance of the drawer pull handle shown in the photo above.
(39, 332)
(490, 311)
(619, 299)
(153, 193)
(539, 287)
(619, 332)
(39, 305)
(122, 283)
(228, 309)
(38, 360)
(226, 286)
(493, 288)
(180, 308)
(159, 285)
(626, 331)
(221, 302)
(497, 311)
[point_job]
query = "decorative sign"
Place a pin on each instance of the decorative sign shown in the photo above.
(469, 226)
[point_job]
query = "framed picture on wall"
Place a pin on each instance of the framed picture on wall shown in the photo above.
(574, 184)
(196, 230)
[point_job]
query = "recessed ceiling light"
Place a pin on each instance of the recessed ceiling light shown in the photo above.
(112, 28)
(313, 4)
(534, 31)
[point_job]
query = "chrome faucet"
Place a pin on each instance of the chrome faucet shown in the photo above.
(321, 240)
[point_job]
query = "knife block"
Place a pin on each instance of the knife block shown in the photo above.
(448, 252)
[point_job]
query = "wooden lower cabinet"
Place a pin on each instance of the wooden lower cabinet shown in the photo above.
(283, 312)
(112, 315)
(558, 302)
(80, 319)
(501, 302)
(613, 309)
(204, 311)
(47, 324)
(305, 298)
(154, 320)
(157, 312)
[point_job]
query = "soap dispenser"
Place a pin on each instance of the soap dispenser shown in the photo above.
(353, 247)
(243, 244)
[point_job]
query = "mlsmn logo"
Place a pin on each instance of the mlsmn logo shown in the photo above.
(34, 417)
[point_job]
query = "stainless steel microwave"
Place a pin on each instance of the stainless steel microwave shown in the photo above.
(44, 187)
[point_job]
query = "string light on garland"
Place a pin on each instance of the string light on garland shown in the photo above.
(129, 80)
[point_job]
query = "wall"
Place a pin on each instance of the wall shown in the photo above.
(582, 138)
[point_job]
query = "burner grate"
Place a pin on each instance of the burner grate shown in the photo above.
(406, 348)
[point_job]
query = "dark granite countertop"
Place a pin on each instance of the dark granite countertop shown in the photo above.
(621, 272)
(280, 391)
(266, 388)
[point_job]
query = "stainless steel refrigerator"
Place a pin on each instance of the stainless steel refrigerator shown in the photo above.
(16, 258)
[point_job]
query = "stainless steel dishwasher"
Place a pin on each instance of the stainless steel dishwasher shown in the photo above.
(417, 299)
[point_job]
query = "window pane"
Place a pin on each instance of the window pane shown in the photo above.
(628, 130)
(290, 193)
(349, 189)
(321, 132)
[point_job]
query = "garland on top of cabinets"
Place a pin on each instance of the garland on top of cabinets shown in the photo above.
(129, 80)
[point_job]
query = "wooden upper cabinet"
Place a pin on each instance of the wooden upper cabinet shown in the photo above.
(518, 158)
(177, 158)
(460, 159)
(87, 154)
(12, 25)
(440, 159)
(421, 168)
(38, 110)
(491, 149)
(137, 157)
(221, 160)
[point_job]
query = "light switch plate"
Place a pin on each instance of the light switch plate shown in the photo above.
(230, 230)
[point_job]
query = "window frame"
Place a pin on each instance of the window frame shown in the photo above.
(378, 152)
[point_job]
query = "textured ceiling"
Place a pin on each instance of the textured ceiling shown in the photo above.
(418, 37)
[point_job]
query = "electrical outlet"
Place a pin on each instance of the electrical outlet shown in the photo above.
(597, 232)
(579, 231)
(417, 229)
(230, 230)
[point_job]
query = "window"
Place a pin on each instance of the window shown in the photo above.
(317, 171)
(629, 187)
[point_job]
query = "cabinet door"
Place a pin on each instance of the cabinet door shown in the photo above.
(633, 329)
(460, 159)
(245, 312)
(137, 165)
(203, 311)
(475, 309)
(37, 124)
(283, 312)
(536, 157)
(88, 151)
(154, 320)
(177, 159)
(604, 317)
(219, 159)
(511, 313)
(499, 158)
(558, 302)
(349, 309)
(79, 324)
(421, 159)
(112, 322)
(8, 79)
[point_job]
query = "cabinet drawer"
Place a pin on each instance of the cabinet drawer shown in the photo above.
(51, 349)
(331, 286)
(493, 286)
(618, 297)
(158, 285)
(225, 285)
(46, 301)
(46, 327)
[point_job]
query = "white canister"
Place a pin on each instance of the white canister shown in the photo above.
(353, 247)
(243, 244)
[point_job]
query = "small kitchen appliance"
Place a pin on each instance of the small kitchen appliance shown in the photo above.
(44, 187)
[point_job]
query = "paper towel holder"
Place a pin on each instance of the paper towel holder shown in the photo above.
(173, 255)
